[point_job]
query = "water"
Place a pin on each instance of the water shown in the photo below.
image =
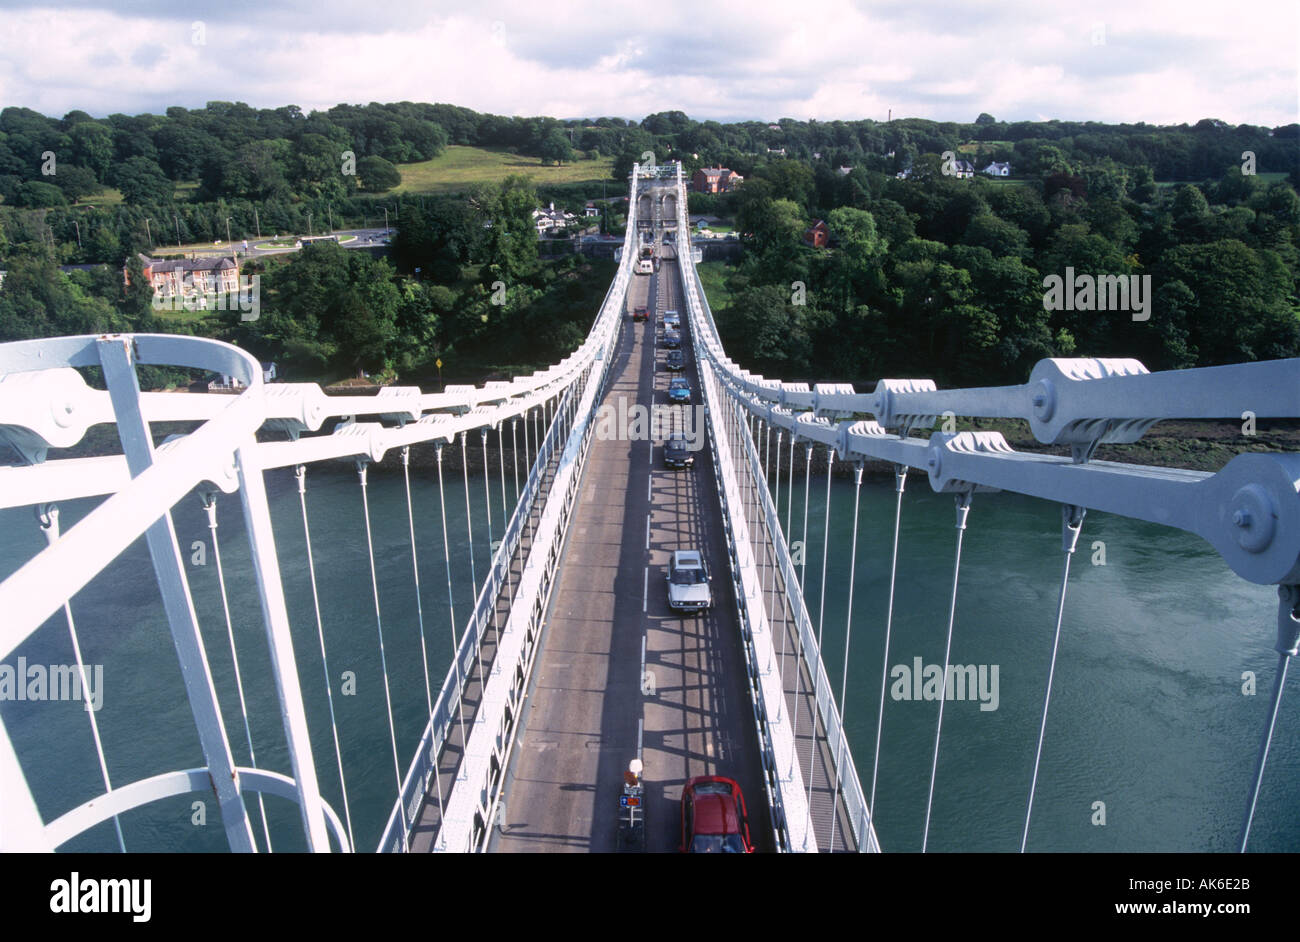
(1148, 714)
(146, 722)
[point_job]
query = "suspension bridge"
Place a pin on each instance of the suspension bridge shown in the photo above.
(562, 662)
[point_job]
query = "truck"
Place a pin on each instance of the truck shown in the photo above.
(646, 262)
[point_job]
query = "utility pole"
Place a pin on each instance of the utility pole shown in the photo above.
(329, 208)
(228, 242)
(385, 220)
(309, 225)
(148, 234)
(78, 225)
(258, 223)
(178, 229)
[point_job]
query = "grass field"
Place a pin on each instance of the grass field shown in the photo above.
(109, 197)
(458, 167)
(972, 147)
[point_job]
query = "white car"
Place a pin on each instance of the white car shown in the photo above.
(673, 320)
(689, 587)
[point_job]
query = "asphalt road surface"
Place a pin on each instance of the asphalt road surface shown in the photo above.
(581, 719)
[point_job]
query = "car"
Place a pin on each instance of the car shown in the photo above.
(714, 817)
(672, 339)
(677, 454)
(679, 390)
(676, 360)
(689, 584)
(640, 314)
(672, 319)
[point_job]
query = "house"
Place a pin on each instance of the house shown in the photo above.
(844, 171)
(590, 209)
(779, 151)
(963, 169)
(189, 277)
(997, 169)
(715, 180)
(817, 235)
(551, 219)
(904, 174)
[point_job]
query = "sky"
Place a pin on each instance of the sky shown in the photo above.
(1108, 60)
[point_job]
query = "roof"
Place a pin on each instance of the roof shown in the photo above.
(714, 813)
(220, 263)
(687, 558)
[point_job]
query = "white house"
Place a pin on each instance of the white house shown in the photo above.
(963, 170)
(997, 169)
(551, 218)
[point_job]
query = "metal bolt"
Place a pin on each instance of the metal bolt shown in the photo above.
(1241, 518)
(1039, 399)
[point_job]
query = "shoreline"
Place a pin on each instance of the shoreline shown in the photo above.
(1189, 444)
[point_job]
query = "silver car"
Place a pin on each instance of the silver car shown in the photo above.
(688, 582)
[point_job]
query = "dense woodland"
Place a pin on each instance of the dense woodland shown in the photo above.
(928, 275)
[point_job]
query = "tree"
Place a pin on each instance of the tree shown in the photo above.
(92, 147)
(38, 195)
(512, 244)
(766, 330)
(142, 182)
(377, 174)
(997, 235)
(76, 182)
(555, 147)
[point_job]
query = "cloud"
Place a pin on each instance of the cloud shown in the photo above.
(1018, 60)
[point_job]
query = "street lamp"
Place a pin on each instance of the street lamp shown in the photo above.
(385, 220)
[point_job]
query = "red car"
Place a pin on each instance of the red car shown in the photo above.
(714, 819)
(640, 314)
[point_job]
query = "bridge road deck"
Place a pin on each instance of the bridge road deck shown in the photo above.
(580, 725)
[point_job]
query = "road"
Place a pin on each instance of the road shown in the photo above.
(580, 724)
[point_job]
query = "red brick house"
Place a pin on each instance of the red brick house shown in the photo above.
(817, 235)
(181, 277)
(715, 180)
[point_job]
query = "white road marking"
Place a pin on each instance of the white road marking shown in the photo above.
(645, 590)
(647, 531)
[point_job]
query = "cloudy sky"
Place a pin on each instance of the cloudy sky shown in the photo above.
(1107, 60)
